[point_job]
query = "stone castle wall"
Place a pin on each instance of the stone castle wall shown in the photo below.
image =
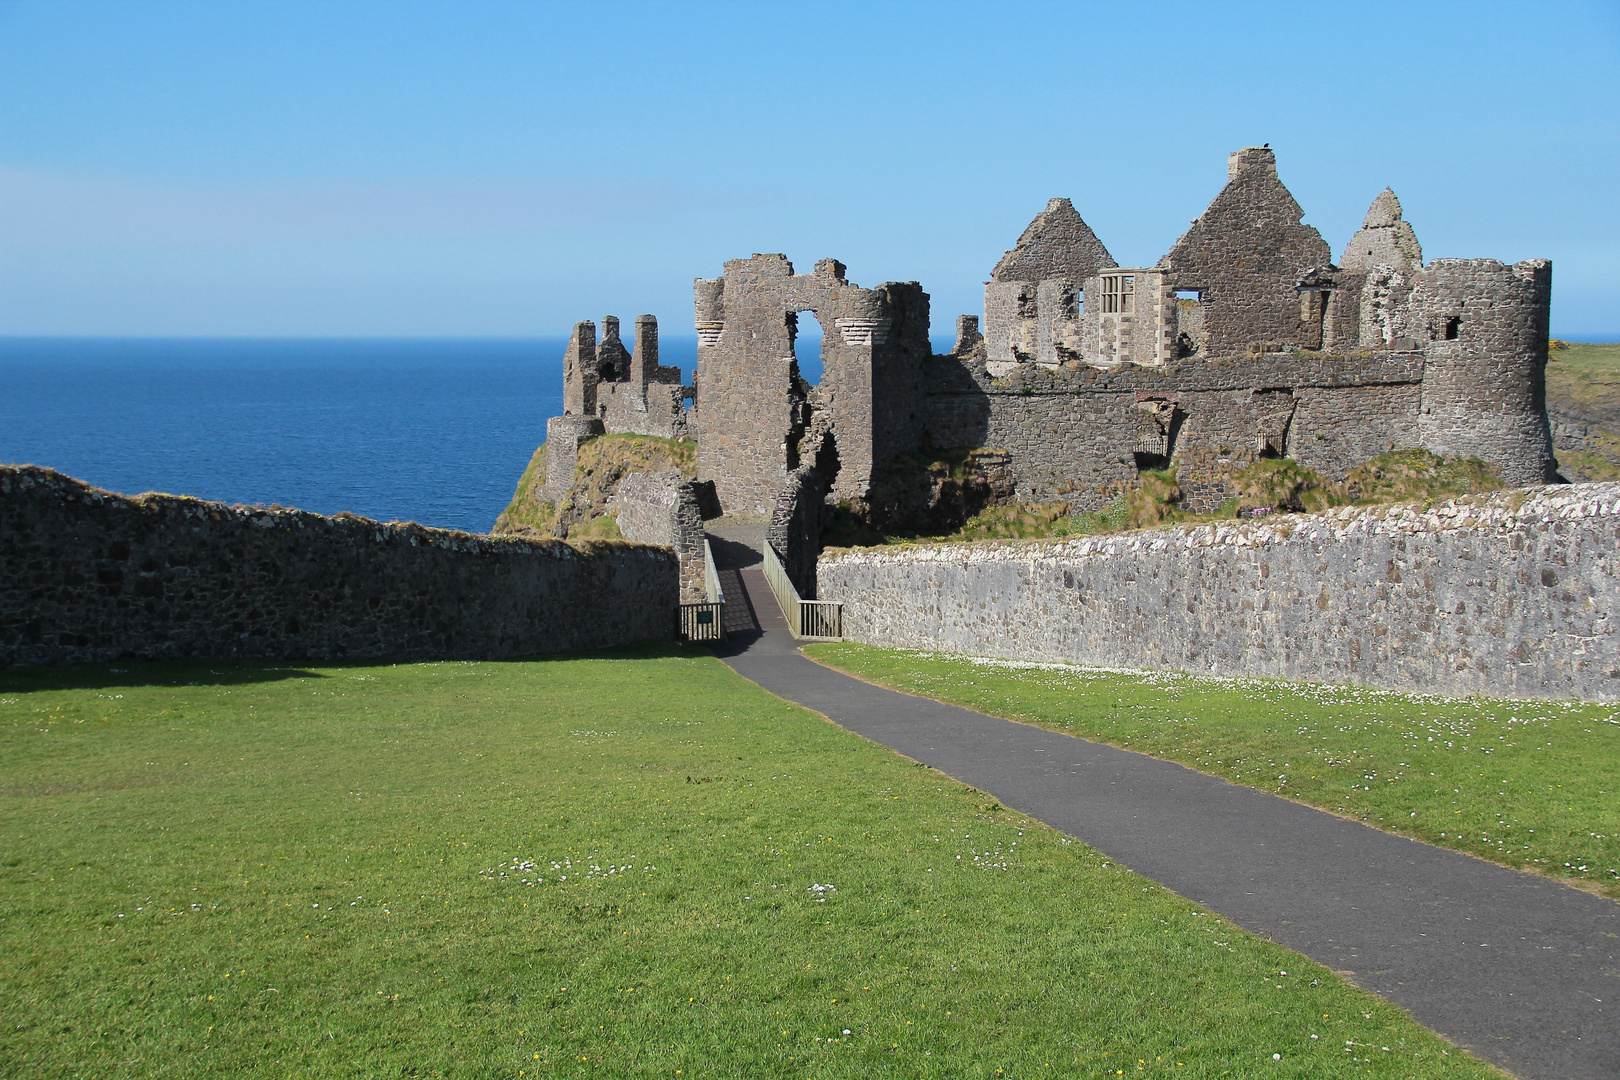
(761, 420)
(90, 576)
(1073, 433)
(1484, 326)
(664, 509)
(794, 530)
(1245, 341)
(1513, 594)
(629, 392)
(1243, 256)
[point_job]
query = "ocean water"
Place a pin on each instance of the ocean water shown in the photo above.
(430, 430)
(435, 431)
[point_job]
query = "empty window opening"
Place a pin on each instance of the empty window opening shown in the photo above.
(1146, 462)
(808, 340)
(1119, 294)
(1195, 296)
(1313, 312)
(1071, 302)
(1453, 326)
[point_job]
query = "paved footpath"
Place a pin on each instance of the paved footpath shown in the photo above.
(1521, 970)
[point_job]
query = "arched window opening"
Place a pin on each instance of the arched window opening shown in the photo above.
(808, 338)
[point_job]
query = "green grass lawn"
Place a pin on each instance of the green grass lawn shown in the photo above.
(1586, 378)
(624, 865)
(1529, 784)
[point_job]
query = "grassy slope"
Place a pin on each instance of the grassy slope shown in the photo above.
(1399, 476)
(527, 514)
(257, 870)
(1586, 379)
(1528, 784)
(601, 463)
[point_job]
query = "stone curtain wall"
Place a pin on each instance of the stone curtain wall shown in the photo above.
(1073, 433)
(796, 525)
(90, 576)
(663, 508)
(1511, 595)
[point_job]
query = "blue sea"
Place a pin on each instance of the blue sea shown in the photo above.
(408, 429)
(435, 431)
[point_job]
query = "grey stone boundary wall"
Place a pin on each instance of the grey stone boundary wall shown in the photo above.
(663, 508)
(91, 576)
(1511, 594)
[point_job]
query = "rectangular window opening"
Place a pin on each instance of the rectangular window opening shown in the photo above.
(1119, 294)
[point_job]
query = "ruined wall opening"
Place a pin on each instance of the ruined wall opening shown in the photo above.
(1453, 327)
(1149, 462)
(807, 336)
(1313, 309)
(827, 460)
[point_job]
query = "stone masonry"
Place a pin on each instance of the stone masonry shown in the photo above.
(663, 508)
(761, 419)
(90, 576)
(630, 392)
(1511, 594)
(1245, 341)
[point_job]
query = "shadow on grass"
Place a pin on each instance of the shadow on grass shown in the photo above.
(151, 673)
(242, 672)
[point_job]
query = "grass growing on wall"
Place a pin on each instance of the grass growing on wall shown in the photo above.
(527, 514)
(1528, 784)
(624, 865)
(1273, 484)
(600, 465)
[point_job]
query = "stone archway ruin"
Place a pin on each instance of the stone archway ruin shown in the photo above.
(760, 421)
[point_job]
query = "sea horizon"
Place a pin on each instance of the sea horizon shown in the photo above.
(435, 430)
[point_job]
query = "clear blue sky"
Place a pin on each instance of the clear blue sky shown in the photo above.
(485, 168)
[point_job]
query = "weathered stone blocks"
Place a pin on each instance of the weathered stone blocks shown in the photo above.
(90, 576)
(1514, 594)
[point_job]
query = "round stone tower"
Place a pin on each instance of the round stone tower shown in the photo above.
(1482, 326)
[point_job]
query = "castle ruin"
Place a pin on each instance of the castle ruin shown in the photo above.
(1244, 341)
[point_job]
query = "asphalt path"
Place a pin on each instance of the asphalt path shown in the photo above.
(1519, 969)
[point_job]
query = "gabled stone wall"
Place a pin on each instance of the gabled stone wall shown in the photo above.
(1244, 255)
(1034, 300)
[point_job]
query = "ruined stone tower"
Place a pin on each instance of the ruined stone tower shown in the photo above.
(761, 419)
